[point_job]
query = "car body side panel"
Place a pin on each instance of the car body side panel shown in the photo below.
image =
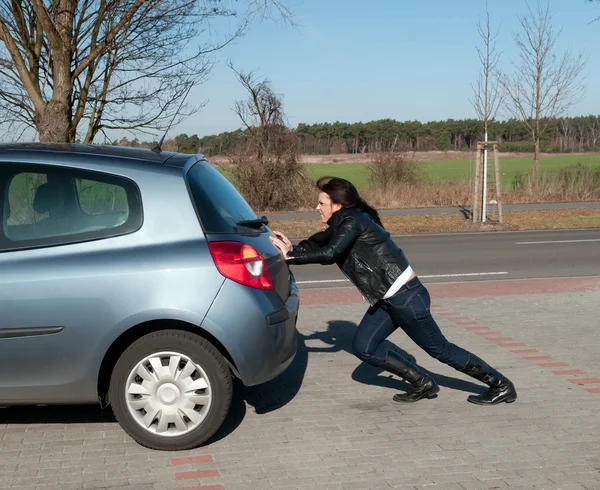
(95, 297)
(264, 349)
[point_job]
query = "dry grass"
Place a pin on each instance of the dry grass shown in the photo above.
(424, 195)
(553, 219)
(451, 194)
(397, 183)
(455, 222)
(419, 156)
(573, 183)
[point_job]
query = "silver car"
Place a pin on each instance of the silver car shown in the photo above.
(140, 279)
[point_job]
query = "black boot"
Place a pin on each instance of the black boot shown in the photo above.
(423, 386)
(500, 389)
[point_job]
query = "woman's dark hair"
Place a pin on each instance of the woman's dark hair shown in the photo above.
(342, 191)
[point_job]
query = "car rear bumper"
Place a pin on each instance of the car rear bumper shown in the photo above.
(257, 329)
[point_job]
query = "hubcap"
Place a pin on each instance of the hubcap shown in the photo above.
(168, 394)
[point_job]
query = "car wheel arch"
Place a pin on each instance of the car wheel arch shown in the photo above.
(132, 334)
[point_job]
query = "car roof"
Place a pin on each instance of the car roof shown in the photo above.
(143, 155)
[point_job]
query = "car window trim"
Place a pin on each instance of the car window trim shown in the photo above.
(134, 196)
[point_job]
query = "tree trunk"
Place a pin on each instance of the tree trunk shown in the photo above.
(55, 118)
(536, 163)
(54, 123)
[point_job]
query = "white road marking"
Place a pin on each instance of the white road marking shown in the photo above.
(468, 274)
(559, 241)
(328, 281)
(322, 282)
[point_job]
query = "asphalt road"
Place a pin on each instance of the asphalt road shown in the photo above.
(484, 256)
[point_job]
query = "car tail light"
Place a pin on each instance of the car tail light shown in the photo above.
(241, 263)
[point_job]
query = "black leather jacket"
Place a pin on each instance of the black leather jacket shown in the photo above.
(361, 248)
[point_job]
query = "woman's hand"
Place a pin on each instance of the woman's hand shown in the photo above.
(279, 245)
(281, 242)
(284, 240)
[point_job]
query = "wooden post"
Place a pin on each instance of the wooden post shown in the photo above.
(498, 183)
(477, 186)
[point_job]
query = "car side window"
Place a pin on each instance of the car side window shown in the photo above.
(58, 206)
(21, 193)
(102, 199)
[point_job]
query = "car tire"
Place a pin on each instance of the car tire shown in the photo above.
(156, 356)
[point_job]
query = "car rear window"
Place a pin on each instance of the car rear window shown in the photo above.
(219, 204)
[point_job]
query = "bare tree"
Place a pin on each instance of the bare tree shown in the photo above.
(594, 131)
(74, 68)
(566, 134)
(543, 85)
(594, 1)
(273, 10)
(487, 94)
(261, 113)
(266, 166)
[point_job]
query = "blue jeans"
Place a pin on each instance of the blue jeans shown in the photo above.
(408, 309)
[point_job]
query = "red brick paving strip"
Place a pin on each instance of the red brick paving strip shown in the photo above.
(584, 381)
(493, 337)
(483, 332)
(197, 474)
(468, 325)
(191, 460)
(475, 289)
(205, 487)
(192, 475)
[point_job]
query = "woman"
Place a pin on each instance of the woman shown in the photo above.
(357, 242)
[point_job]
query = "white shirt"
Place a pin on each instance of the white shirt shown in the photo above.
(398, 283)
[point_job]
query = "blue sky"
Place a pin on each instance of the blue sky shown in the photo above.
(358, 60)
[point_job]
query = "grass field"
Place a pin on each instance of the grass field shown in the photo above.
(454, 170)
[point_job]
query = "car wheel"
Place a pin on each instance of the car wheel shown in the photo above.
(171, 390)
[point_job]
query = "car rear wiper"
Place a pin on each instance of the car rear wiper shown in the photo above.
(258, 222)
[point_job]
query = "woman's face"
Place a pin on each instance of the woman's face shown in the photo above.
(326, 208)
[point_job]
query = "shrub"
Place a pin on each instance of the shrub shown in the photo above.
(553, 149)
(274, 180)
(390, 170)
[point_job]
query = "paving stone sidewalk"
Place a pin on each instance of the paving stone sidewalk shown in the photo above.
(330, 423)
